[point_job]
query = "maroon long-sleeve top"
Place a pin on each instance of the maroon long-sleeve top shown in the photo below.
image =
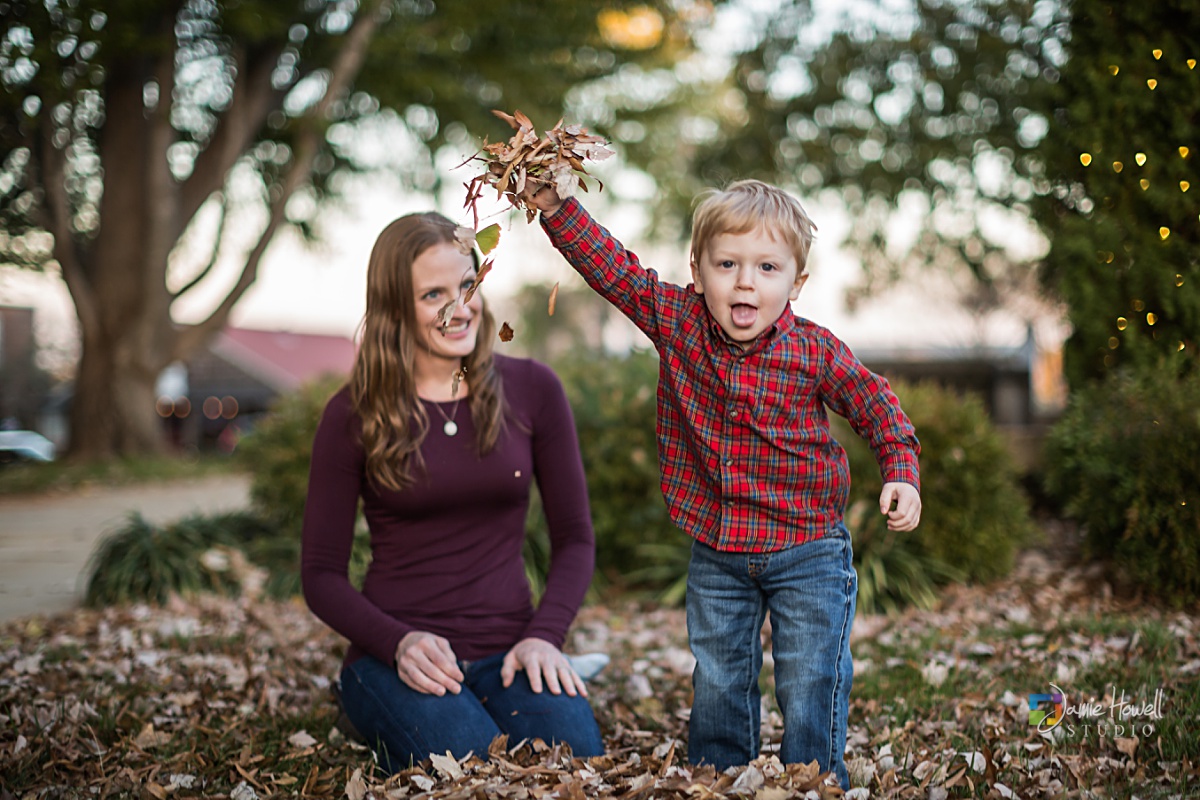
(447, 551)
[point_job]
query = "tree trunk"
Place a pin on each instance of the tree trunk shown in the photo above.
(113, 408)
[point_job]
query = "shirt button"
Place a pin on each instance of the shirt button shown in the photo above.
(729, 462)
(733, 414)
(728, 503)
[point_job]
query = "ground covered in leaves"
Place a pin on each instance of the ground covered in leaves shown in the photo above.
(231, 698)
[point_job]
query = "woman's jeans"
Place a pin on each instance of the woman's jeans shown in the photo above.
(810, 590)
(404, 726)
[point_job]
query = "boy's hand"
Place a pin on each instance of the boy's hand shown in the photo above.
(542, 197)
(907, 513)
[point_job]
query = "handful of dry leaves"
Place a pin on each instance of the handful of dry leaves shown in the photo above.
(527, 159)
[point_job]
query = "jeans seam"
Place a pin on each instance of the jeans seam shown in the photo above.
(837, 680)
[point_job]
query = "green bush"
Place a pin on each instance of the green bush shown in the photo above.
(1124, 461)
(277, 453)
(143, 562)
(278, 450)
(613, 399)
(974, 514)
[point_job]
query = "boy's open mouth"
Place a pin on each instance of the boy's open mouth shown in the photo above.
(743, 314)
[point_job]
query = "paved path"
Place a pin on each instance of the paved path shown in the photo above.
(46, 540)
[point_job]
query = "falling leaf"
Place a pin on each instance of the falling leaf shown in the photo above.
(446, 313)
(487, 239)
(553, 300)
(465, 239)
(459, 374)
(1128, 746)
(506, 332)
(484, 269)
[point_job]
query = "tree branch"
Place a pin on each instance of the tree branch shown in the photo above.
(253, 100)
(212, 260)
(345, 67)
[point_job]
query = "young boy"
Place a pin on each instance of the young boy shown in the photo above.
(749, 468)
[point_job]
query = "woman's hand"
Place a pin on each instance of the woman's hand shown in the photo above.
(542, 660)
(427, 664)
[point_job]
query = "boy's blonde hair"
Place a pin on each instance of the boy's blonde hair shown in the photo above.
(747, 205)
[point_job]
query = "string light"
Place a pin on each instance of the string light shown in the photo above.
(1191, 62)
(1138, 305)
(1122, 323)
(1152, 83)
(1113, 69)
(1178, 280)
(1113, 343)
(1085, 158)
(1151, 318)
(1118, 166)
(1157, 54)
(1184, 186)
(1183, 152)
(1164, 232)
(1145, 184)
(1140, 158)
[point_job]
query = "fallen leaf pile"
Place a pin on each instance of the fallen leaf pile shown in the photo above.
(216, 697)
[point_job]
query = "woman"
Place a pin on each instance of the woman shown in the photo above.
(442, 439)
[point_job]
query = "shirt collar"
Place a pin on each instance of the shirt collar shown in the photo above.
(780, 327)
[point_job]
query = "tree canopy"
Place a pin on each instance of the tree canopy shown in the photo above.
(976, 125)
(131, 131)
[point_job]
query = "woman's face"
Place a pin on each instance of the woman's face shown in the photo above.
(441, 274)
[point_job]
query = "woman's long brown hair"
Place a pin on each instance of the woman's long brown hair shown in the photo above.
(383, 386)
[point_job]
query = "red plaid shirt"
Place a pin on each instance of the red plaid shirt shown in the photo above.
(748, 462)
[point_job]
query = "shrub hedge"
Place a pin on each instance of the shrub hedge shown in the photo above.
(1124, 460)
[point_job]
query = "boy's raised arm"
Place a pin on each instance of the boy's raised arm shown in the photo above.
(614, 272)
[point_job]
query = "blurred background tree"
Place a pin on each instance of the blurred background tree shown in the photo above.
(131, 132)
(1119, 214)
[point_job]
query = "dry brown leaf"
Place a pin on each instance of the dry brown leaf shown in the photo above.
(553, 300)
(148, 737)
(447, 765)
(484, 269)
(446, 313)
(301, 739)
(527, 162)
(1128, 746)
(506, 332)
(356, 787)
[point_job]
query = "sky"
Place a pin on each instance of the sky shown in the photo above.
(321, 288)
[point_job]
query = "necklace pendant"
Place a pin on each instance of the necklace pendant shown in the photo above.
(450, 428)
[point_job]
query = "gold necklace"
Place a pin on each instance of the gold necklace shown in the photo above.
(450, 427)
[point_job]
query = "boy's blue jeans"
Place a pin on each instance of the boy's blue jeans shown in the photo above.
(404, 726)
(810, 591)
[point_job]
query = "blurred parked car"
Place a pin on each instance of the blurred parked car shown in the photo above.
(22, 446)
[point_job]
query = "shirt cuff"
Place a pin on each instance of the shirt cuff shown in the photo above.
(570, 212)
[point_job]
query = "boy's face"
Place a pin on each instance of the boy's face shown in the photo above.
(747, 279)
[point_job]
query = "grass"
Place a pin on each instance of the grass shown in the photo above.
(55, 476)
